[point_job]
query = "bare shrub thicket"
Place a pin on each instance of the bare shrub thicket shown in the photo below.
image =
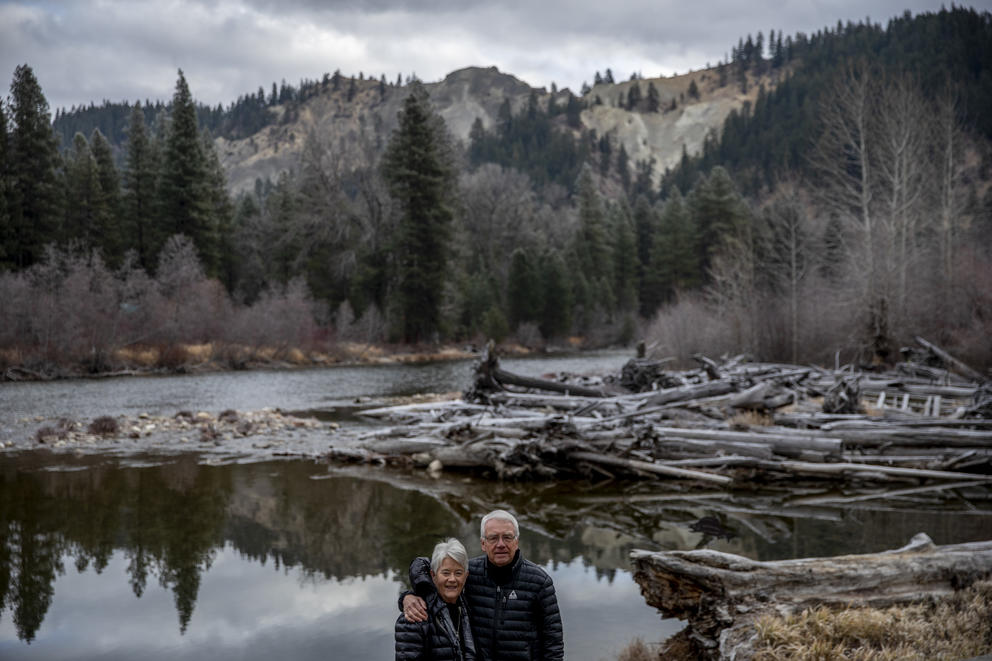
(281, 319)
(71, 310)
(879, 247)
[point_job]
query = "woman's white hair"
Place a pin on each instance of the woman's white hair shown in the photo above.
(502, 515)
(449, 548)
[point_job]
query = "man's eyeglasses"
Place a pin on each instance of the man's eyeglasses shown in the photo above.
(492, 539)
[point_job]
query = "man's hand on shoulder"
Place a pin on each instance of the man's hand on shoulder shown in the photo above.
(414, 608)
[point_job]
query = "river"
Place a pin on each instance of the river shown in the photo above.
(146, 554)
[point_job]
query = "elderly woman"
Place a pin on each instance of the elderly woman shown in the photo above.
(446, 635)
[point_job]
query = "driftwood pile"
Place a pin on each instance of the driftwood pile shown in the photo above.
(731, 422)
(723, 595)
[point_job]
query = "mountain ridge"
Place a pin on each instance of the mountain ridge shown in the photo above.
(359, 128)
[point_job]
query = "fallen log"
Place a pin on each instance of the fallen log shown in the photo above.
(489, 376)
(962, 368)
(722, 595)
(649, 467)
(700, 390)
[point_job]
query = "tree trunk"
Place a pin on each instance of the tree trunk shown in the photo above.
(722, 595)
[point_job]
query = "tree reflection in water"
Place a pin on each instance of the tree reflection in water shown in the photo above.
(169, 518)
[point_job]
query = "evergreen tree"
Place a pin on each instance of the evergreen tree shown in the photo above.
(673, 264)
(556, 317)
(645, 228)
(34, 201)
(523, 289)
(139, 201)
(418, 168)
(694, 90)
(222, 212)
(183, 197)
(623, 167)
(83, 211)
(111, 241)
(634, 97)
(573, 111)
(624, 259)
(654, 100)
(5, 184)
(717, 210)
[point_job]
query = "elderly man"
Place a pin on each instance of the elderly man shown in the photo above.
(511, 601)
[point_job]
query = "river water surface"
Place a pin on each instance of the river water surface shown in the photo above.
(178, 555)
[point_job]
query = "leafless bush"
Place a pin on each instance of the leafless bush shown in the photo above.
(280, 319)
(529, 335)
(104, 426)
(46, 434)
(690, 325)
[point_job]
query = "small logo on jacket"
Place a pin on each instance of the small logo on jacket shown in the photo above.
(513, 594)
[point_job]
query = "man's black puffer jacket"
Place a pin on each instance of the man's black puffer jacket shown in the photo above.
(517, 621)
(437, 638)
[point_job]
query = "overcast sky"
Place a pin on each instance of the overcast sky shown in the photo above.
(90, 50)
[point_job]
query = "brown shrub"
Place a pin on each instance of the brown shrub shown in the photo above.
(104, 426)
(172, 356)
(46, 434)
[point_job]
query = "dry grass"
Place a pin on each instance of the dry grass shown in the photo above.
(958, 627)
(637, 650)
(747, 419)
(140, 356)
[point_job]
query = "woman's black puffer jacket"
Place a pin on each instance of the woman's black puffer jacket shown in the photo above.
(438, 638)
(516, 620)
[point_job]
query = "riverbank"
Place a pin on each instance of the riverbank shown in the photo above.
(220, 357)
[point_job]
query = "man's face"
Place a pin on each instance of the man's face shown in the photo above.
(499, 543)
(449, 579)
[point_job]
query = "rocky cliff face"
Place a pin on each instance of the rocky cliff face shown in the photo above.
(354, 131)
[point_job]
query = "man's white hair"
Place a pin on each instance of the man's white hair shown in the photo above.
(502, 515)
(449, 548)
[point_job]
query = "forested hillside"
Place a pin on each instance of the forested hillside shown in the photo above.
(844, 211)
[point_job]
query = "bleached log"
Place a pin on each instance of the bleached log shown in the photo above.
(422, 407)
(722, 595)
(879, 495)
(658, 468)
(683, 393)
(894, 471)
(781, 443)
(948, 358)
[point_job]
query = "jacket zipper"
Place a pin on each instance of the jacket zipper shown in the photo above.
(496, 618)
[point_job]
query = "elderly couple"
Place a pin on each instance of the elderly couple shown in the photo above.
(508, 611)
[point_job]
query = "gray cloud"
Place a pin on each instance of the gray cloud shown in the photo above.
(89, 50)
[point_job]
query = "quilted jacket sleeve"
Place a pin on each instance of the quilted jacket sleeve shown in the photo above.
(420, 577)
(411, 640)
(420, 581)
(552, 639)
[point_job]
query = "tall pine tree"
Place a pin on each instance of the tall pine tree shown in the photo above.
(183, 195)
(111, 241)
(5, 185)
(34, 194)
(139, 201)
(417, 166)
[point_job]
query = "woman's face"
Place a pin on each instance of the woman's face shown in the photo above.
(450, 579)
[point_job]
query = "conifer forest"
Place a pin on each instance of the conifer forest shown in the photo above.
(845, 211)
